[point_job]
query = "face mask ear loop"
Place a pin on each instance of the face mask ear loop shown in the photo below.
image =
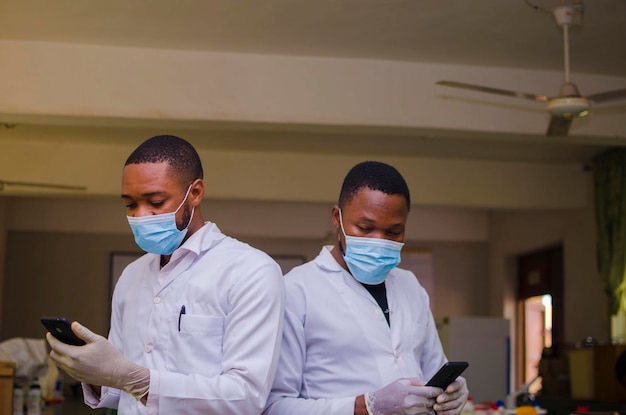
(341, 224)
(184, 199)
(343, 251)
(193, 209)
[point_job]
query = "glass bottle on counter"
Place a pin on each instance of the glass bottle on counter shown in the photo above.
(33, 399)
(18, 400)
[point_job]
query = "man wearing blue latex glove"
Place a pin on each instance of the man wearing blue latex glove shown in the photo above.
(359, 335)
(196, 323)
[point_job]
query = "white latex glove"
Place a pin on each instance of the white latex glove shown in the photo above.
(451, 401)
(99, 363)
(402, 397)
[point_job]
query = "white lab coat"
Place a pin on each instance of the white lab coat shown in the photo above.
(337, 344)
(224, 357)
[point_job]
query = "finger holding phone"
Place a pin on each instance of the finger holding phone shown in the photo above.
(445, 393)
(454, 397)
(84, 363)
(61, 328)
(454, 386)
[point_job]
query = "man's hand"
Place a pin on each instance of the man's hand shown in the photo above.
(99, 363)
(451, 401)
(404, 396)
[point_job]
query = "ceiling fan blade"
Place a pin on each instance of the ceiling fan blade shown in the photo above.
(558, 126)
(4, 183)
(607, 96)
(490, 90)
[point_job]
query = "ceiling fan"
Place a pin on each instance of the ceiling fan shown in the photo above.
(568, 104)
(5, 183)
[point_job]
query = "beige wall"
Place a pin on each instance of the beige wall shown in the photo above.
(473, 251)
(62, 247)
(97, 227)
(512, 234)
(292, 220)
(49, 274)
(460, 272)
(65, 156)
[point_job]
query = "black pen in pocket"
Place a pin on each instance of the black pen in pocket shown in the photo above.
(180, 315)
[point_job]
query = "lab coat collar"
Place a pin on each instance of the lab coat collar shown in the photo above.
(202, 240)
(184, 256)
(326, 261)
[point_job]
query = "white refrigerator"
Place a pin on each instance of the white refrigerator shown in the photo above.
(484, 343)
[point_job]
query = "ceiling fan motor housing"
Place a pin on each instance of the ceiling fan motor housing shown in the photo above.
(568, 107)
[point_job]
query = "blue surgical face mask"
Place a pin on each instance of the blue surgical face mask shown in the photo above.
(158, 234)
(370, 259)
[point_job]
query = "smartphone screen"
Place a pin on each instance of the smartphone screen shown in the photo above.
(60, 327)
(447, 374)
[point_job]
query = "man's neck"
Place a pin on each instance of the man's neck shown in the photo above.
(165, 259)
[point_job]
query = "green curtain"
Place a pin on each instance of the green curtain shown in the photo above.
(609, 173)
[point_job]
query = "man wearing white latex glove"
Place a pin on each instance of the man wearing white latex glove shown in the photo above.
(404, 396)
(357, 323)
(84, 363)
(454, 397)
(196, 322)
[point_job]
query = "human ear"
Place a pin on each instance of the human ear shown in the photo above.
(197, 192)
(335, 217)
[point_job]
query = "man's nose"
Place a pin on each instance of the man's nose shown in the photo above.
(142, 210)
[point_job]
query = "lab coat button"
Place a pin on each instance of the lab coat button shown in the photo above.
(157, 300)
(395, 354)
(148, 348)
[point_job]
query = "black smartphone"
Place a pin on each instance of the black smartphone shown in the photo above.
(60, 327)
(446, 375)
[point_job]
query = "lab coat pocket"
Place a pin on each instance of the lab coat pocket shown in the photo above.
(197, 347)
(199, 324)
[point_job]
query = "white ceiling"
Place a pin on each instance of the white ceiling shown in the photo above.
(500, 33)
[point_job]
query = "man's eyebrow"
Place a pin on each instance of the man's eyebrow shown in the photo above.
(149, 194)
(373, 222)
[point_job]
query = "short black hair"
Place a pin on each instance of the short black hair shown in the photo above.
(182, 157)
(373, 175)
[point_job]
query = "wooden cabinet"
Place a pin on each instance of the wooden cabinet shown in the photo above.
(592, 373)
(7, 370)
(606, 387)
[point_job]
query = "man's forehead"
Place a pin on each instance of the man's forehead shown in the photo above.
(372, 205)
(148, 177)
(148, 171)
(162, 166)
(365, 196)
